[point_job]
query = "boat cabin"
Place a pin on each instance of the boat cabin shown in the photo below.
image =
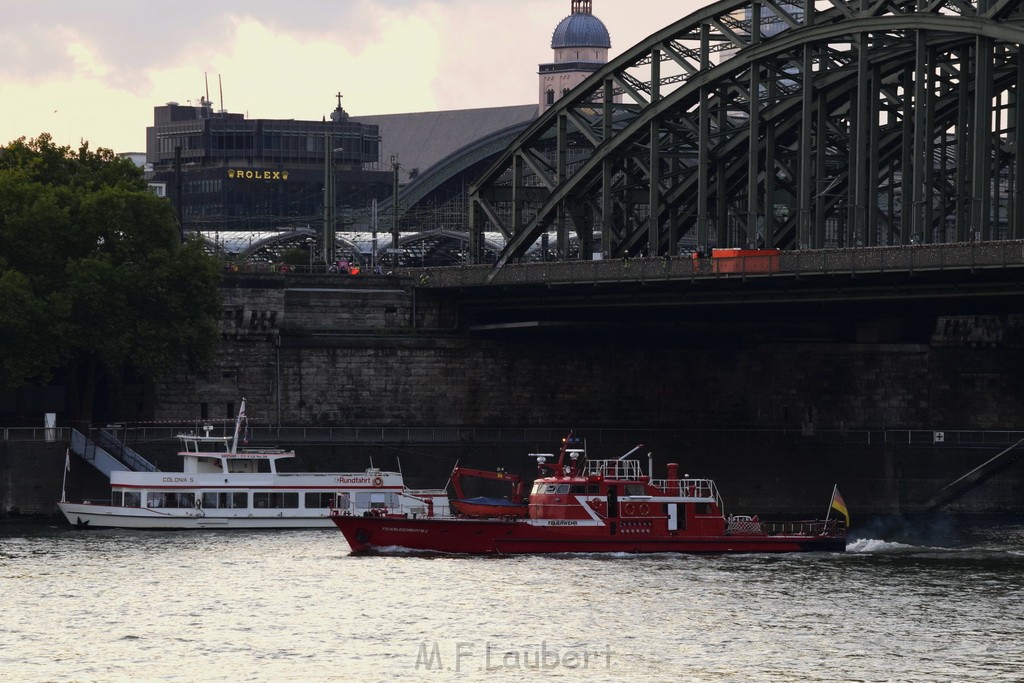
(617, 493)
(206, 454)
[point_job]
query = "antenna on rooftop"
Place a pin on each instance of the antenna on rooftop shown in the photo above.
(221, 85)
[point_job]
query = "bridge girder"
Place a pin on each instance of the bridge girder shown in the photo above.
(757, 123)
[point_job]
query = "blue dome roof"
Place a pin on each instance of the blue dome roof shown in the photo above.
(580, 30)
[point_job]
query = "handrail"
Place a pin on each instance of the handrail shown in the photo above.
(614, 469)
(938, 438)
(123, 453)
(35, 434)
(703, 489)
(960, 256)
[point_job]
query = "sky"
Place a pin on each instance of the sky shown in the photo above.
(94, 69)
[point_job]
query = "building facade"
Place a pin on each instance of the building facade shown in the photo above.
(227, 173)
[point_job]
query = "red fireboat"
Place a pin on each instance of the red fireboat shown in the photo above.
(579, 505)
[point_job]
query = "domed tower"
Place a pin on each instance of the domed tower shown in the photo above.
(581, 43)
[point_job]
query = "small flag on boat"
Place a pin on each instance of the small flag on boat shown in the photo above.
(839, 504)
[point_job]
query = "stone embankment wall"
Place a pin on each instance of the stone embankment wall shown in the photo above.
(32, 474)
(373, 351)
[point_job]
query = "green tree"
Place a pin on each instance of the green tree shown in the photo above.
(94, 281)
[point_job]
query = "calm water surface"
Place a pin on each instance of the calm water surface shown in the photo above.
(294, 606)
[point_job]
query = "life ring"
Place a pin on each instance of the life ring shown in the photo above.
(644, 509)
(629, 508)
(199, 503)
(378, 481)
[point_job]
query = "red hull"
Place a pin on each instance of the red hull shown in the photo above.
(495, 537)
(471, 509)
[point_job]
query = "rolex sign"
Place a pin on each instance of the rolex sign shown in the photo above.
(248, 174)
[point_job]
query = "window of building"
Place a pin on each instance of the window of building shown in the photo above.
(550, 96)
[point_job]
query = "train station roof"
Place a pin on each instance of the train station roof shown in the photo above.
(419, 140)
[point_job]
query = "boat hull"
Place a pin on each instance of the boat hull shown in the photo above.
(109, 516)
(496, 537)
(472, 508)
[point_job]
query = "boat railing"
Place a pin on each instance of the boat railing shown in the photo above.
(614, 469)
(691, 488)
(741, 524)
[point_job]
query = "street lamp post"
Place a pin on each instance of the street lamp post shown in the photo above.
(309, 245)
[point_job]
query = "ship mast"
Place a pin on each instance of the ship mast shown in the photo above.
(238, 426)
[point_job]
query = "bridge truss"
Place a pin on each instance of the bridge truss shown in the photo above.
(805, 125)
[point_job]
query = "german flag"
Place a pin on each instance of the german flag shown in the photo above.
(839, 504)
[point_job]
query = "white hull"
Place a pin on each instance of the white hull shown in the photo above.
(108, 516)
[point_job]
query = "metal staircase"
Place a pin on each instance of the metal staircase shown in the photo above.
(954, 490)
(98, 455)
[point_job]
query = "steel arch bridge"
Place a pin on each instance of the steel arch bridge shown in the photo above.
(783, 125)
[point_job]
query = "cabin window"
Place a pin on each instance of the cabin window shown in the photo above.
(115, 498)
(233, 499)
(171, 500)
(702, 508)
(550, 488)
(275, 500)
(248, 465)
(132, 499)
(578, 488)
(634, 490)
(321, 499)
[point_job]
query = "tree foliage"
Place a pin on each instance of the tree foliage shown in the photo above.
(95, 283)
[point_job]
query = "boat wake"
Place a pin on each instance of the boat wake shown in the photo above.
(878, 546)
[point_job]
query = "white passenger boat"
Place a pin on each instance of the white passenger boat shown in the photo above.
(222, 486)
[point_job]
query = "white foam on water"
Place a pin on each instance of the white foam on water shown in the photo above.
(875, 545)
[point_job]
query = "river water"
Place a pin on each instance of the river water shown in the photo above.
(294, 606)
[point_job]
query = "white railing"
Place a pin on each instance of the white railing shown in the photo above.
(743, 524)
(704, 489)
(614, 469)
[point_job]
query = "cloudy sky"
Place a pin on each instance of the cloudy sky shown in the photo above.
(94, 69)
